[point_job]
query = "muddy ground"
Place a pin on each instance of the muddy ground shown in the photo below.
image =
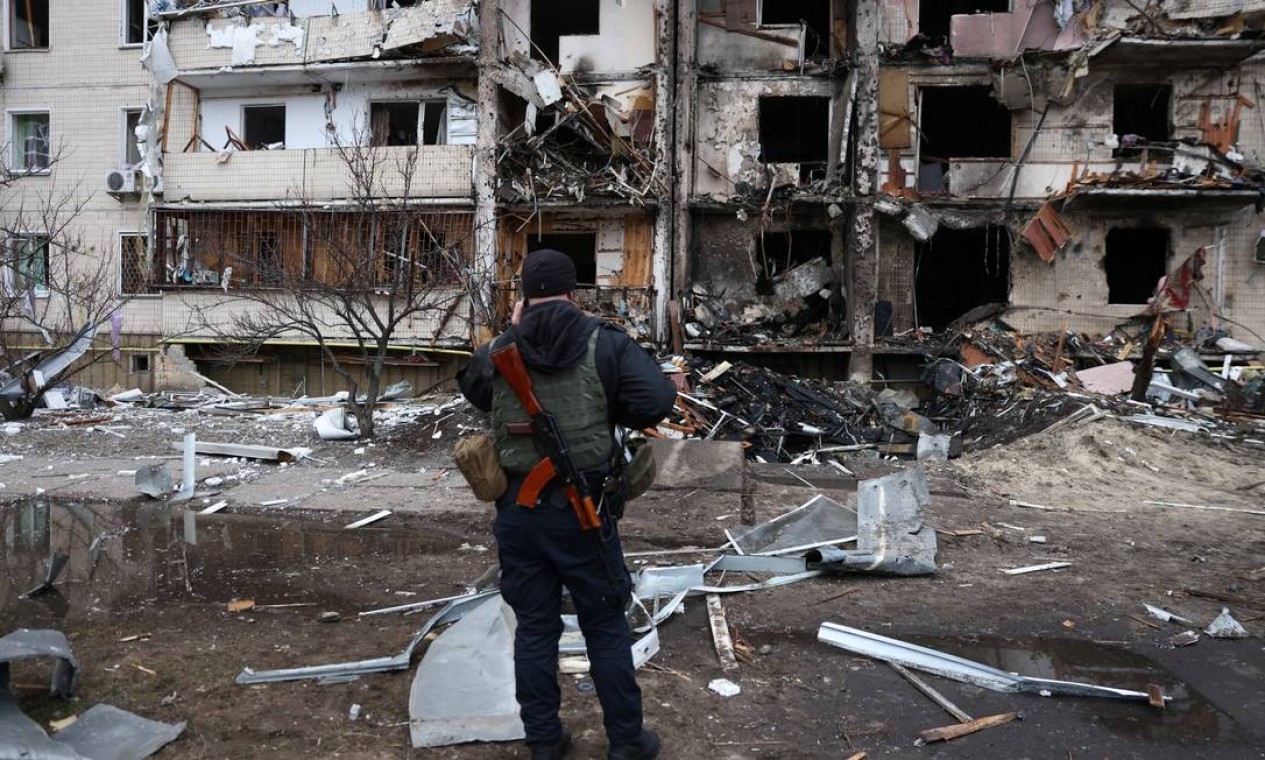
(167, 580)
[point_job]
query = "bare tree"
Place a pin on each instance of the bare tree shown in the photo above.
(373, 272)
(56, 288)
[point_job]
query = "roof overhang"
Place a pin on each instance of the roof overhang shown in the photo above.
(1130, 199)
(1177, 53)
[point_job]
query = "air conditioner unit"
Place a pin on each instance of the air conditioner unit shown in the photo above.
(121, 182)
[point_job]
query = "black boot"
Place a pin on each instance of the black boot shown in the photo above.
(555, 751)
(645, 748)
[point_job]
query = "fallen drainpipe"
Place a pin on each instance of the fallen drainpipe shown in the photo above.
(452, 612)
(961, 669)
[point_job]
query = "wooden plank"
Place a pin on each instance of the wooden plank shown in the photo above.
(1252, 604)
(931, 693)
(948, 733)
(638, 252)
(720, 634)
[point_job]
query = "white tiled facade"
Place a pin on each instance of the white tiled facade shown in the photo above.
(85, 81)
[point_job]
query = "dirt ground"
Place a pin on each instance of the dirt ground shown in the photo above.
(800, 698)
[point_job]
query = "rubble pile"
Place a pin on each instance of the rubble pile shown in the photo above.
(982, 386)
(788, 419)
(595, 145)
(806, 303)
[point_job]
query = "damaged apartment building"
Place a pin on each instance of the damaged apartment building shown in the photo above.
(854, 173)
(811, 184)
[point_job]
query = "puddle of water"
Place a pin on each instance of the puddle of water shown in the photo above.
(123, 555)
(1189, 718)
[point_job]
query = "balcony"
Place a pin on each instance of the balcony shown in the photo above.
(320, 174)
(206, 49)
(204, 316)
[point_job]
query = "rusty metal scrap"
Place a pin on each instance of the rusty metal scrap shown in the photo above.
(1222, 133)
(1047, 233)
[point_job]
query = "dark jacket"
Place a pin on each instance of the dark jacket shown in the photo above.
(554, 335)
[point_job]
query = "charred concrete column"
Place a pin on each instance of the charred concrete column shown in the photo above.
(485, 166)
(863, 235)
(686, 84)
(683, 139)
(665, 175)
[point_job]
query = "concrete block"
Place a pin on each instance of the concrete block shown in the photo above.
(709, 465)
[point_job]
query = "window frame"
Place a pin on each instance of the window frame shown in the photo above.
(124, 20)
(127, 139)
(148, 356)
(285, 109)
(1170, 115)
(8, 31)
(442, 134)
(119, 236)
(396, 102)
(11, 273)
(421, 103)
(11, 116)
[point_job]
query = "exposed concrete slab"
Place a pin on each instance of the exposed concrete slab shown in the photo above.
(710, 465)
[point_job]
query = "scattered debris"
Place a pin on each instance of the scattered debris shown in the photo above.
(720, 634)
(1166, 616)
(241, 451)
(373, 518)
(464, 689)
(948, 733)
(155, 480)
(452, 612)
(931, 693)
(56, 564)
(1183, 639)
(1224, 626)
(1207, 507)
(820, 521)
(337, 425)
(724, 687)
(957, 668)
(891, 537)
(190, 480)
(101, 732)
(1037, 568)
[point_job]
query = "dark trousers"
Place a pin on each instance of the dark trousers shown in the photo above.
(541, 550)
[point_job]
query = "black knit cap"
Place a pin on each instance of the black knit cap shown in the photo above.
(548, 273)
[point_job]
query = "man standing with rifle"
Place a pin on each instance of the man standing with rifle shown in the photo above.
(557, 383)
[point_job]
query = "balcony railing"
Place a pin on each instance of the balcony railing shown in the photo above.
(439, 171)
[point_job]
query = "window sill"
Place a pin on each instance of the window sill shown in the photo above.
(131, 45)
(19, 173)
(27, 50)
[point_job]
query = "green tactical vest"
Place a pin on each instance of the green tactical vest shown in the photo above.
(578, 399)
